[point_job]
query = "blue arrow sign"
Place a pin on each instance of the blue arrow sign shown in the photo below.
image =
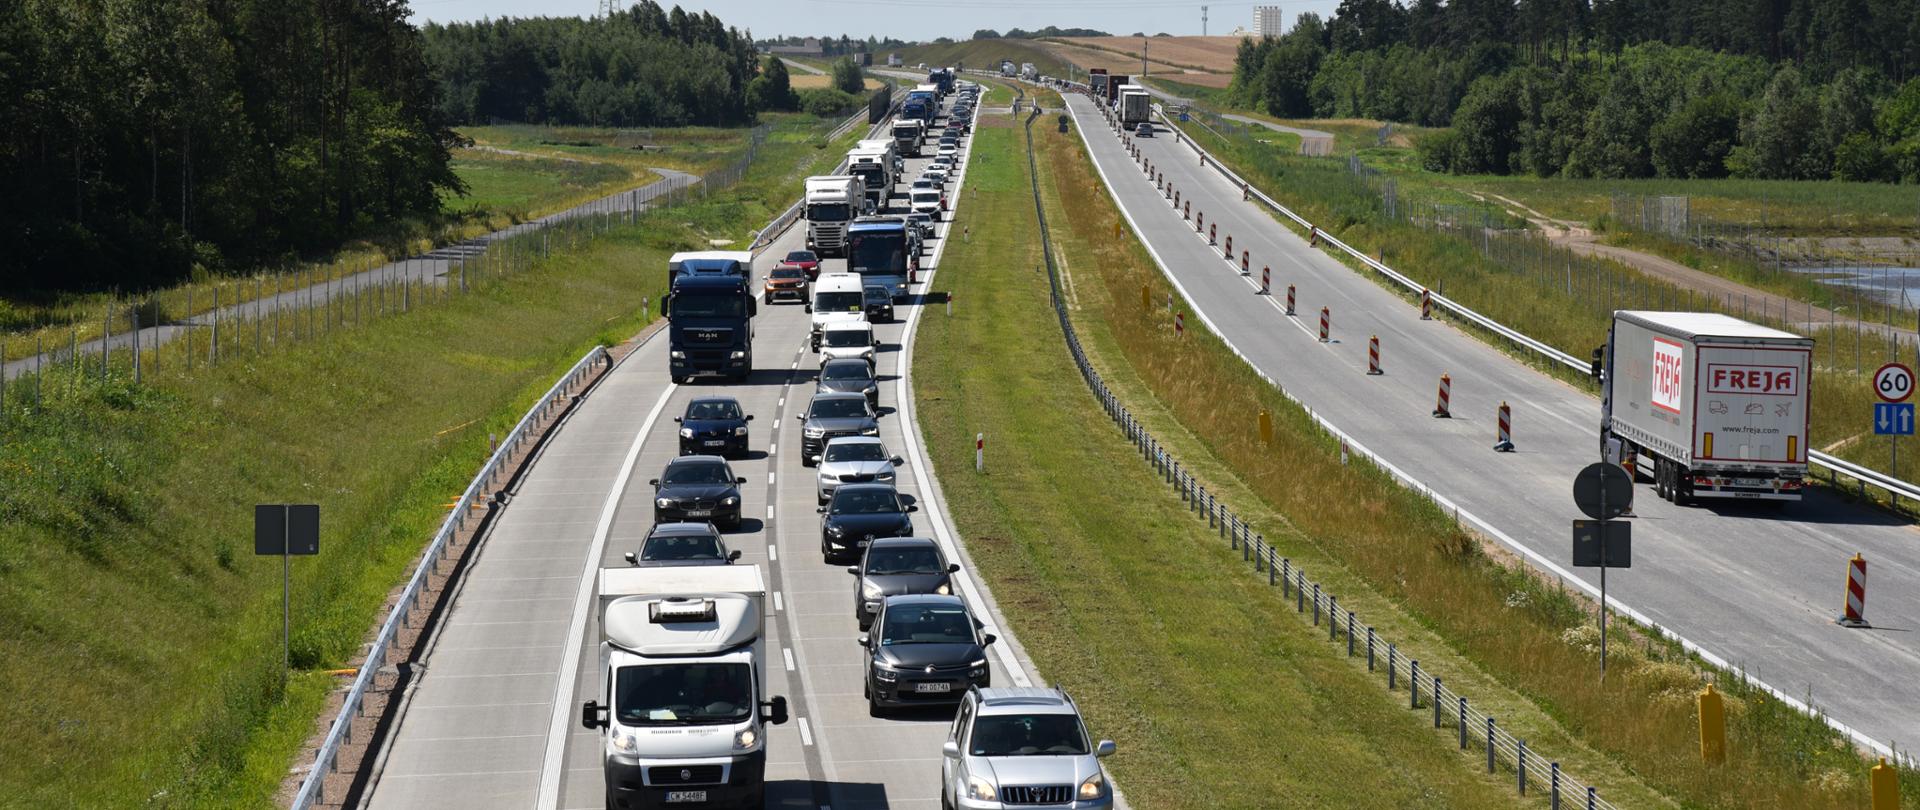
(1893, 419)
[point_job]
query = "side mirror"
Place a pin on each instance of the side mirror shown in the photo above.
(912, 507)
(740, 480)
(876, 343)
(820, 509)
(593, 715)
(953, 568)
(799, 417)
(950, 749)
(814, 459)
(897, 461)
(808, 305)
(778, 710)
(676, 419)
(854, 570)
(630, 558)
(864, 639)
(753, 307)
(988, 640)
(653, 482)
(733, 556)
(749, 417)
(1104, 749)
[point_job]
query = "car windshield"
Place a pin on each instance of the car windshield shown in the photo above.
(926, 196)
(855, 370)
(846, 338)
(926, 624)
(923, 183)
(715, 304)
(789, 272)
(683, 694)
(713, 409)
(878, 501)
(912, 560)
(802, 256)
(1027, 735)
(862, 451)
(831, 301)
(697, 474)
(877, 295)
(683, 547)
(839, 407)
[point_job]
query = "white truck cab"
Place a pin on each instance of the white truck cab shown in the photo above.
(832, 201)
(837, 298)
(682, 708)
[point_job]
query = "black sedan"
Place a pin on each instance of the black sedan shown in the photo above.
(830, 416)
(849, 375)
(675, 544)
(858, 513)
(696, 488)
(714, 426)
(895, 566)
(879, 301)
(925, 649)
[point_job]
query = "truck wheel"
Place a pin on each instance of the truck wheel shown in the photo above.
(1682, 486)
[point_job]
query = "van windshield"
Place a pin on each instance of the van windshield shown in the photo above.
(683, 694)
(838, 301)
(846, 338)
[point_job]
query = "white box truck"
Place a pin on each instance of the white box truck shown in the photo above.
(832, 202)
(1710, 406)
(682, 709)
(1135, 105)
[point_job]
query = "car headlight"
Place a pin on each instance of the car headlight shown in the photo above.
(883, 673)
(625, 743)
(748, 738)
(980, 789)
(872, 389)
(835, 530)
(677, 354)
(1094, 787)
(814, 432)
(868, 354)
(737, 355)
(885, 476)
(870, 431)
(945, 589)
(686, 433)
(740, 431)
(869, 589)
(663, 502)
(730, 500)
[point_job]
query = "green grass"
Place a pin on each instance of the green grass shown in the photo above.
(523, 188)
(1493, 614)
(139, 640)
(1114, 589)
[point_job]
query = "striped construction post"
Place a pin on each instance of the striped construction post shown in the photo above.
(1426, 305)
(1313, 236)
(1856, 614)
(1213, 231)
(1373, 354)
(1229, 250)
(1266, 280)
(1289, 299)
(1443, 410)
(1503, 441)
(1186, 209)
(1246, 263)
(1246, 192)
(979, 452)
(1180, 325)
(1326, 323)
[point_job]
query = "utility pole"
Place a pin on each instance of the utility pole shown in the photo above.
(1143, 56)
(1203, 21)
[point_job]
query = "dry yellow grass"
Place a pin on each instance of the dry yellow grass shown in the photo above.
(1210, 54)
(804, 81)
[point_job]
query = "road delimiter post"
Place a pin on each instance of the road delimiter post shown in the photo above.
(979, 452)
(1856, 609)
(1373, 354)
(1246, 262)
(1229, 251)
(1441, 410)
(1426, 305)
(1289, 299)
(1266, 280)
(1503, 442)
(1326, 323)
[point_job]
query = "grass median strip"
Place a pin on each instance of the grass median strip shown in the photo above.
(1524, 641)
(1114, 589)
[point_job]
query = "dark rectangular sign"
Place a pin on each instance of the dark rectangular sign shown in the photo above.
(286, 529)
(1586, 544)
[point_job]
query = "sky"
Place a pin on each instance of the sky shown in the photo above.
(908, 19)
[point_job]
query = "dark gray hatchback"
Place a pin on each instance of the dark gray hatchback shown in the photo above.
(898, 565)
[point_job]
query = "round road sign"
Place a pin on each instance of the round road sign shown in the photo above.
(1893, 383)
(1603, 491)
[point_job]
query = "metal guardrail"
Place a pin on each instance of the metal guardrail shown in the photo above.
(312, 788)
(1475, 728)
(1834, 464)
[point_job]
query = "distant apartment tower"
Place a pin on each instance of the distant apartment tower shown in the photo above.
(1266, 21)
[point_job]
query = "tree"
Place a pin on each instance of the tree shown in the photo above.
(847, 78)
(1696, 141)
(779, 92)
(1488, 125)
(986, 33)
(1781, 139)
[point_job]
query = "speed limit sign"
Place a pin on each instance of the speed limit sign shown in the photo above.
(1893, 382)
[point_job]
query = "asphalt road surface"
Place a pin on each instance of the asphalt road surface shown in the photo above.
(1757, 585)
(492, 721)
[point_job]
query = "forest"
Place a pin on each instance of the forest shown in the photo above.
(1788, 89)
(645, 66)
(146, 139)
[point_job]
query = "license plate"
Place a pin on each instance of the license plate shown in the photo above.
(942, 686)
(686, 796)
(699, 512)
(1749, 482)
(716, 442)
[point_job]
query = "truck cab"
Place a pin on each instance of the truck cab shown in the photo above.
(832, 201)
(710, 326)
(908, 134)
(874, 167)
(705, 261)
(682, 707)
(884, 251)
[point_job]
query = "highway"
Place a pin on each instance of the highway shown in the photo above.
(1756, 585)
(493, 721)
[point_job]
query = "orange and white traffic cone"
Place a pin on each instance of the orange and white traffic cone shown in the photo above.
(1443, 409)
(1503, 440)
(1373, 354)
(1266, 281)
(1856, 614)
(1326, 324)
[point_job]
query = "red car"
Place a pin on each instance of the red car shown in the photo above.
(804, 259)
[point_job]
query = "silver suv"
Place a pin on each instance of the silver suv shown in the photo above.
(1021, 747)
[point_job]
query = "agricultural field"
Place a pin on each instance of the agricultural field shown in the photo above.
(1199, 54)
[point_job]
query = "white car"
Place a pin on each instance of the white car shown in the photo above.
(927, 201)
(1021, 746)
(853, 460)
(949, 150)
(848, 339)
(930, 181)
(937, 175)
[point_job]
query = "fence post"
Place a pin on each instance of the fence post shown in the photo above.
(1369, 649)
(1413, 683)
(1553, 786)
(1463, 725)
(1520, 763)
(1391, 654)
(1436, 703)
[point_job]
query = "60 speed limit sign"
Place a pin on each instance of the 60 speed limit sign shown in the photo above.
(1893, 382)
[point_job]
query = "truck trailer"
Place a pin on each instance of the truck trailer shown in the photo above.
(681, 709)
(1135, 105)
(1709, 405)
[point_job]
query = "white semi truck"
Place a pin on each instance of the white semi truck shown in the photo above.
(875, 168)
(832, 202)
(908, 136)
(682, 709)
(1135, 105)
(1710, 406)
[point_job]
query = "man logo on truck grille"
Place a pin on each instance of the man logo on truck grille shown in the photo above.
(1668, 375)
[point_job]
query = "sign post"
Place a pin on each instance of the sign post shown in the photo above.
(1893, 415)
(286, 530)
(1602, 491)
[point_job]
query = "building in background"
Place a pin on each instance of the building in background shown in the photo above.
(1266, 21)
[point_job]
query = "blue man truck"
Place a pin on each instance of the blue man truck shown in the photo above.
(710, 326)
(884, 252)
(922, 102)
(942, 78)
